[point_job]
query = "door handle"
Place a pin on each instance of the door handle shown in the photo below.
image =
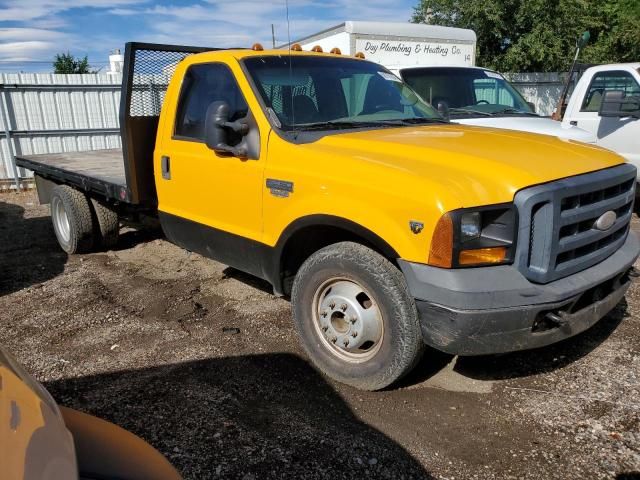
(574, 123)
(166, 167)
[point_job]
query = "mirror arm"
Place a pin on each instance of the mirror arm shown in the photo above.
(239, 127)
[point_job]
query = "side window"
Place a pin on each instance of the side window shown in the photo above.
(606, 81)
(490, 91)
(202, 85)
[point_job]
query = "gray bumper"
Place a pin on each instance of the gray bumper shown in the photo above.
(488, 310)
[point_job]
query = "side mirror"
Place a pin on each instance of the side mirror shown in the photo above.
(443, 109)
(217, 128)
(616, 104)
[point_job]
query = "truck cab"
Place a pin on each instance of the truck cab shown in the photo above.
(389, 227)
(619, 131)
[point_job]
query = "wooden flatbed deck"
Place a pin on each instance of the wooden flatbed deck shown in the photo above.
(99, 171)
(104, 165)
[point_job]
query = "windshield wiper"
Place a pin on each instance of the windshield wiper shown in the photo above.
(514, 111)
(415, 121)
(467, 111)
(337, 125)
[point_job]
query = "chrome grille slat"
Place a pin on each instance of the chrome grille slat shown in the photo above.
(557, 234)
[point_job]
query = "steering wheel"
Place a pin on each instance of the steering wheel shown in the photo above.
(481, 102)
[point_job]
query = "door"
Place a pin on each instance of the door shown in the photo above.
(209, 203)
(617, 134)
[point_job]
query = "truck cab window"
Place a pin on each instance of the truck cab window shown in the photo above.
(204, 84)
(608, 81)
(320, 90)
(490, 91)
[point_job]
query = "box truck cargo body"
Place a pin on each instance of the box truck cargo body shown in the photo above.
(398, 44)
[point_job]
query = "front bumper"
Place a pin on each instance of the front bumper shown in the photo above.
(489, 310)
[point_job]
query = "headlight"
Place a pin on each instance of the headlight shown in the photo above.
(470, 226)
(474, 237)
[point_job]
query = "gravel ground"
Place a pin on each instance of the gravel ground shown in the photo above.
(202, 361)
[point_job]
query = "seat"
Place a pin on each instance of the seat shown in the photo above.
(304, 110)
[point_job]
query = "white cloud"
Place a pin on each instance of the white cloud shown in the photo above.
(224, 23)
(25, 10)
(40, 28)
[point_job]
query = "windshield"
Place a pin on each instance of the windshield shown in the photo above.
(467, 92)
(334, 93)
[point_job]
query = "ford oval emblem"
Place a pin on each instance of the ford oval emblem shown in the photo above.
(606, 220)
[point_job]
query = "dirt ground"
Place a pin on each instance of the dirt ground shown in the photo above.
(202, 362)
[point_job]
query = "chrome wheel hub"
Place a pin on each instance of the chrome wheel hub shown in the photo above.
(61, 220)
(348, 320)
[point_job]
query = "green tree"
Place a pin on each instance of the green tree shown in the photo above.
(540, 35)
(67, 63)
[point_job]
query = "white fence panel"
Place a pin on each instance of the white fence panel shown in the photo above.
(542, 89)
(50, 113)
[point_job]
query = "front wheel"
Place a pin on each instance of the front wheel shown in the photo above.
(355, 317)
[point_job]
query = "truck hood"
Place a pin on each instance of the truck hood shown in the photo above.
(470, 164)
(541, 125)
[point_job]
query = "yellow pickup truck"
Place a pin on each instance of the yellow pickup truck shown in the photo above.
(388, 227)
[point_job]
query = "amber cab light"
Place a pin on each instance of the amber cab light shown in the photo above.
(257, 47)
(336, 51)
(482, 256)
(359, 55)
(441, 249)
(317, 49)
(296, 47)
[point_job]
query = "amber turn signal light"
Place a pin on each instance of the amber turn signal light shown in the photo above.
(317, 49)
(336, 51)
(296, 47)
(359, 55)
(483, 256)
(257, 47)
(441, 250)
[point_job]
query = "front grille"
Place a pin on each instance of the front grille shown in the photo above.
(558, 219)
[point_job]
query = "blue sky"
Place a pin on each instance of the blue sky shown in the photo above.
(32, 31)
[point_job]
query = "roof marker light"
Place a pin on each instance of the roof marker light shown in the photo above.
(359, 55)
(317, 49)
(296, 47)
(336, 51)
(257, 47)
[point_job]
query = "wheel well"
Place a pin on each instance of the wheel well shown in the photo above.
(307, 240)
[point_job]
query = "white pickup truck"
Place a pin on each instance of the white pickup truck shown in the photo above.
(606, 103)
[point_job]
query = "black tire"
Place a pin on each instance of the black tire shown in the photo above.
(400, 346)
(72, 220)
(107, 224)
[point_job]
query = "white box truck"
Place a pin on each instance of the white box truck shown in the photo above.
(438, 63)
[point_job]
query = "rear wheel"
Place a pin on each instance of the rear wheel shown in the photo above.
(72, 220)
(108, 224)
(355, 317)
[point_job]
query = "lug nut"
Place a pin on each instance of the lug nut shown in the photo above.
(325, 328)
(354, 319)
(354, 334)
(334, 339)
(346, 342)
(343, 307)
(332, 305)
(325, 313)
